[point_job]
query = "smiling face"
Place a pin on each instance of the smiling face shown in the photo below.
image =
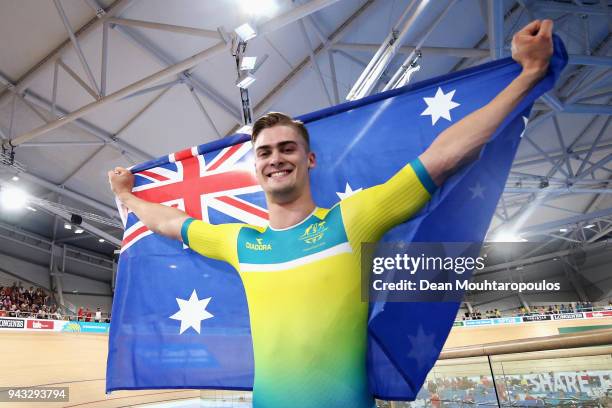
(282, 161)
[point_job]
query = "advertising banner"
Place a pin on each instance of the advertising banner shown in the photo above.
(40, 324)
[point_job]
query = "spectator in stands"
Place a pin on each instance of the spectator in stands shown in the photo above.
(98, 317)
(80, 314)
(87, 315)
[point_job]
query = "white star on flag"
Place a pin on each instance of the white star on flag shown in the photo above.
(348, 191)
(440, 106)
(477, 191)
(192, 312)
(525, 120)
(422, 347)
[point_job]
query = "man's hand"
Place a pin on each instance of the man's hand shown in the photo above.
(163, 220)
(532, 47)
(121, 181)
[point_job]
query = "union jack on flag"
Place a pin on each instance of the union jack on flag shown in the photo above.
(217, 187)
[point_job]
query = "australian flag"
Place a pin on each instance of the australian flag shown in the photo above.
(181, 320)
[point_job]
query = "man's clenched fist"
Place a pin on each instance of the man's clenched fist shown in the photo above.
(121, 180)
(532, 46)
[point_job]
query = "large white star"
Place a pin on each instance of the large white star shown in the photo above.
(440, 106)
(348, 191)
(192, 312)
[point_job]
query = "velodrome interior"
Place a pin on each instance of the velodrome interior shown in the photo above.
(59, 56)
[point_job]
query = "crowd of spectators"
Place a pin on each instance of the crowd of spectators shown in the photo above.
(563, 308)
(17, 301)
(86, 315)
(556, 309)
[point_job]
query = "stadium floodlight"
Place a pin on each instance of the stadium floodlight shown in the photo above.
(562, 229)
(589, 226)
(101, 240)
(67, 226)
(508, 236)
(79, 230)
(247, 63)
(260, 7)
(13, 198)
(246, 32)
(245, 80)
(15, 178)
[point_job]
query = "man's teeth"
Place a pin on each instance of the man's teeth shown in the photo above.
(279, 173)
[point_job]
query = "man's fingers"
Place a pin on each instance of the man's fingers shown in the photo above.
(531, 28)
(546, 28)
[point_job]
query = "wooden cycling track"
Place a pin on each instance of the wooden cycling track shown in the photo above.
(78, 361)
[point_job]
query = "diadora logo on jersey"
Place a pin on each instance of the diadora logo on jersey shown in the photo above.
(314, 232)
(259, 246)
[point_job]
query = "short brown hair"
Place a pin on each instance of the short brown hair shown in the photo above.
(272, 119)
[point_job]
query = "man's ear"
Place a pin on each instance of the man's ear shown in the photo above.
(312, 160)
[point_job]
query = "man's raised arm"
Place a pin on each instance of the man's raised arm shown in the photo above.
(532, 48)
(160, 219)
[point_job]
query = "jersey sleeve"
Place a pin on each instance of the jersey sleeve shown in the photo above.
(213, 241)
(370, 213)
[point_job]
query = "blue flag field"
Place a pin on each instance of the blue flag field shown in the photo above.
(180, 320)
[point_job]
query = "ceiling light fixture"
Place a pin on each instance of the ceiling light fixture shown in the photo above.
(246, 32)
(245, 80)
(79, 230)
(247, 63)
(13, 198)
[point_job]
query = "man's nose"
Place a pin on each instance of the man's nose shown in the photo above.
(276, 158)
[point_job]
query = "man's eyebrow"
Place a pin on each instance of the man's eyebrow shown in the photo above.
(280, 144)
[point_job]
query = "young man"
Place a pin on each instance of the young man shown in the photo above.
(301, 274)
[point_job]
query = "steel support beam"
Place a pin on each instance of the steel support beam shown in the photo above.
(408, 49)
(313, 62)
(293, 15)
(600, 61)
(63, 144)
(101, 134)
(399, 78)
(199, 104)
(553, 6)
(199, 32)
(495, 29)
(77, 78)
(552, 225)
(43, 244)
(540, 258)
(77, 47)
(92, 25)
(557, 191)
(294, 75)
(117, 95)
